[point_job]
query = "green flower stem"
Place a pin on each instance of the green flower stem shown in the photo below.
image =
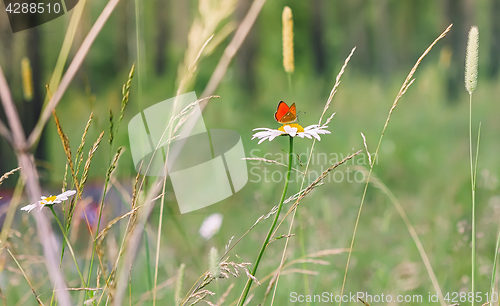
(67, 242)
(473, 187)
(266, 241)
(494, 270)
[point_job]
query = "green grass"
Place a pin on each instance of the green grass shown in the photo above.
(423, 161)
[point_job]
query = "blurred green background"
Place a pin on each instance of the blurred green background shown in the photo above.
(423, 158)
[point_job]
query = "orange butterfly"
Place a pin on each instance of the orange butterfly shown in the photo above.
(285, 114)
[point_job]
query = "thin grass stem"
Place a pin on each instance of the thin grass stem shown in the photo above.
(148, 258)
(69, 245)
(406, 84)
(266, 241)
(473, 187)
(494, 270)
(25, 276)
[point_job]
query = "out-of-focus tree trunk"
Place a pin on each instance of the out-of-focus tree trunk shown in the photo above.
(455, 13)
(161, 37)
(122, 14)
(6, 38)
(317, 34)
(32, 109)
(382, 39)
(181, 16)
(353, 14)
(494, 61)
(246, 55)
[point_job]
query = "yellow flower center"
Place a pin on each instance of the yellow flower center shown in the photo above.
(49, 199)
(299, 128)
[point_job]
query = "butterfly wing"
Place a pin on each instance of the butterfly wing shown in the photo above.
(281, 111)
(289, 116)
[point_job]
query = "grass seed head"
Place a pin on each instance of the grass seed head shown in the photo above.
(288, 59)
(471, 60)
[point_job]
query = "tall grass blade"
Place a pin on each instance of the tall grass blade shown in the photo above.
(406, 84)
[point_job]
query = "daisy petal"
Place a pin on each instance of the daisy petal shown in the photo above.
(292, 131)
(67, 193)
(262, 129)
(29, 207)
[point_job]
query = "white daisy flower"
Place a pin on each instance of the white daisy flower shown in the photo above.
(293, 129)
(211, 226)
(49, 200)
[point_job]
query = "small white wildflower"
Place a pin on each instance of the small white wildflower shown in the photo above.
(293, 129)
(51, 200)
(211, 226)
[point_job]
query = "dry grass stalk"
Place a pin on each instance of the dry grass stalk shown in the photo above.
(284, 268)
(231, 49)
(79, 151)
(366, 304)
(86, 168)
(7, 174)
(212, 13)
(302, 194)
(317, 182)
(272, 162)
(25, 276)
(103, 233)
(273, 210)
(111, 127)
(83, 178)
(182, 116)
(201, 295)
(126, 93)
(224, 296)
(65, 182)
(112, 167)
(366, 148)
(9, 218)
(67, 150)
(226, 268)
(147, 295)
(71, 71)
(337, 83)
(135, 190)
(100, 253)
(408, 81)
(406, 84)
(131, 225)
(4, 131)
(421, 250)
(215, 79)
(99, 249)
(30, 175)
(327, 105)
